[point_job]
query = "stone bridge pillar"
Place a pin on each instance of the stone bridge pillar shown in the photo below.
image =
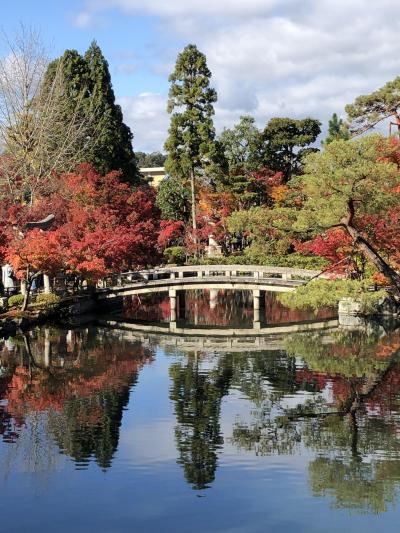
(213, 298)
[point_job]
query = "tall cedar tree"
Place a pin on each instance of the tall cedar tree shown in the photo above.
(109, 141)
(113, 148)
(190, 145)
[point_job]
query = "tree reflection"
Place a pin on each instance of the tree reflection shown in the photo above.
(197, 393)
(78, 380)
(351, 424)
(199, 383)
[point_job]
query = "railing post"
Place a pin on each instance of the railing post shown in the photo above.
(228, 273)
(256, 299)
(172, 275)
(180, 274)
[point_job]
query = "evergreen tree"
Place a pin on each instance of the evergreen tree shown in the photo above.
(337, 129)
(287, 142)
(370, 109)
(173, 200)
(154, 159)
(113, 147)
(242, 146)
(190, 145)
(109, 141)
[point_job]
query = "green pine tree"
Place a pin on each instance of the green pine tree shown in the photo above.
(368, 110)
(287, 141)
(337, 129)
(190, 145)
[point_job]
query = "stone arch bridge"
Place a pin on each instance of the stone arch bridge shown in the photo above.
(256, 279)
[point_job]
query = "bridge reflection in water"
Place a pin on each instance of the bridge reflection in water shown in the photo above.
(215, 313)
(177, 281)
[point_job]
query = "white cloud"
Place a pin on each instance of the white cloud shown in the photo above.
(183, 8)
(147, 117)
(277, 57)
(83, 19)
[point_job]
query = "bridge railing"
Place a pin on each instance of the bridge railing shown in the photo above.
(209, 271)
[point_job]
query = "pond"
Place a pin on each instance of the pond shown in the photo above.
(113, 430)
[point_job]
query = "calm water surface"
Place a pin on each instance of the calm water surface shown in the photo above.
(109, 430)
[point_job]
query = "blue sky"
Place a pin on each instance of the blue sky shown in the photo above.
(130, 44)
(269, 58)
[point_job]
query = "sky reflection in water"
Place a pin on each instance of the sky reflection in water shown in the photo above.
(103, 431)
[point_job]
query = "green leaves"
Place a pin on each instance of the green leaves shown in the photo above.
(337, 129)
(286, 141)
(367, 110)
(87, 80)
(190, 144)
(242, 146)
(173, 199)
(346, 171)
(327, 293)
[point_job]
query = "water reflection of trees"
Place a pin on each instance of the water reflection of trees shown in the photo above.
(197, 393)
(199, 384)
(335, 395)
(78, 381)
(352, 424)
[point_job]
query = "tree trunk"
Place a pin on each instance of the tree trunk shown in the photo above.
(194, 222)
(29, 281)
(368, 250)
(26, 295)
(373, 256)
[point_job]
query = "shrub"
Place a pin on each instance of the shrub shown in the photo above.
(292, 261)
(175, 254)
(15, 300)
(328, 293)
(48, 299)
